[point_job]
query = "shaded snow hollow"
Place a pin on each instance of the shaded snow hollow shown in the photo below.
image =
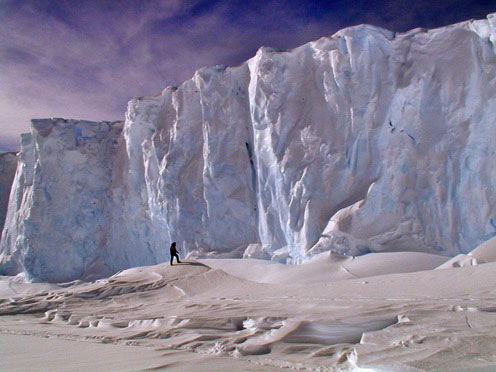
(364, 141)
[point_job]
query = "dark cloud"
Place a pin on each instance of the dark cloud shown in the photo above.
(87, 58)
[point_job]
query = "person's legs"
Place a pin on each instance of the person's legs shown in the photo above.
(177, 258)
(172, 257)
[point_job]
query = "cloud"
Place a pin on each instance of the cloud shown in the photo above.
(86, 59)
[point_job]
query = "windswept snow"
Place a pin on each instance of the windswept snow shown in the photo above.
(329, 314)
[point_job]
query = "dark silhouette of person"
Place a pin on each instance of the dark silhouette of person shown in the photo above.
(173, 253)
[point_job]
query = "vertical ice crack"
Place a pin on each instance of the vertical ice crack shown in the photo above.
(252, 165)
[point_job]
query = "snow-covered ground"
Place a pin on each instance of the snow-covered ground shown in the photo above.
(371, 313)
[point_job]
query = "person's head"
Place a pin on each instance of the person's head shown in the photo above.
(173, 244)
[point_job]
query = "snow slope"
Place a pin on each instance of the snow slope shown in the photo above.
(328, 314)
(364, 141)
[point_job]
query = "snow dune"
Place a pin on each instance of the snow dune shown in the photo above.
(375, 312)
(327, 268)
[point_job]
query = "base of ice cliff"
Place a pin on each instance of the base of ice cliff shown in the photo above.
(367, 140)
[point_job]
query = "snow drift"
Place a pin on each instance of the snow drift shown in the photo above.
(367, 140)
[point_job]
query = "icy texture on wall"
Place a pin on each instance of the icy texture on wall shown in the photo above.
(59, 212)
(8, 164)
(364, 141)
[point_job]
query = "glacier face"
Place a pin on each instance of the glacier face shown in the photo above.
(8, 164)
(58, 214)
(364, 141)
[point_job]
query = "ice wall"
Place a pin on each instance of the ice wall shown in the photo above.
(363, 141)
(8, 164)
(58, 216)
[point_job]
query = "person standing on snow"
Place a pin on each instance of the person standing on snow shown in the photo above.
(173, 253)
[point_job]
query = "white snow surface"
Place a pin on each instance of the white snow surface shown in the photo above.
(331, 313)
(364, 141)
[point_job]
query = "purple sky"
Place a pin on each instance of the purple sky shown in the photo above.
(86, 59)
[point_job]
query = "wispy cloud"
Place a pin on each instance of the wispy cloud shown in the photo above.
(86, 59)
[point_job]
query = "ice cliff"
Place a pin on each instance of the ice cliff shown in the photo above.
(367, 140)
(8, 163)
